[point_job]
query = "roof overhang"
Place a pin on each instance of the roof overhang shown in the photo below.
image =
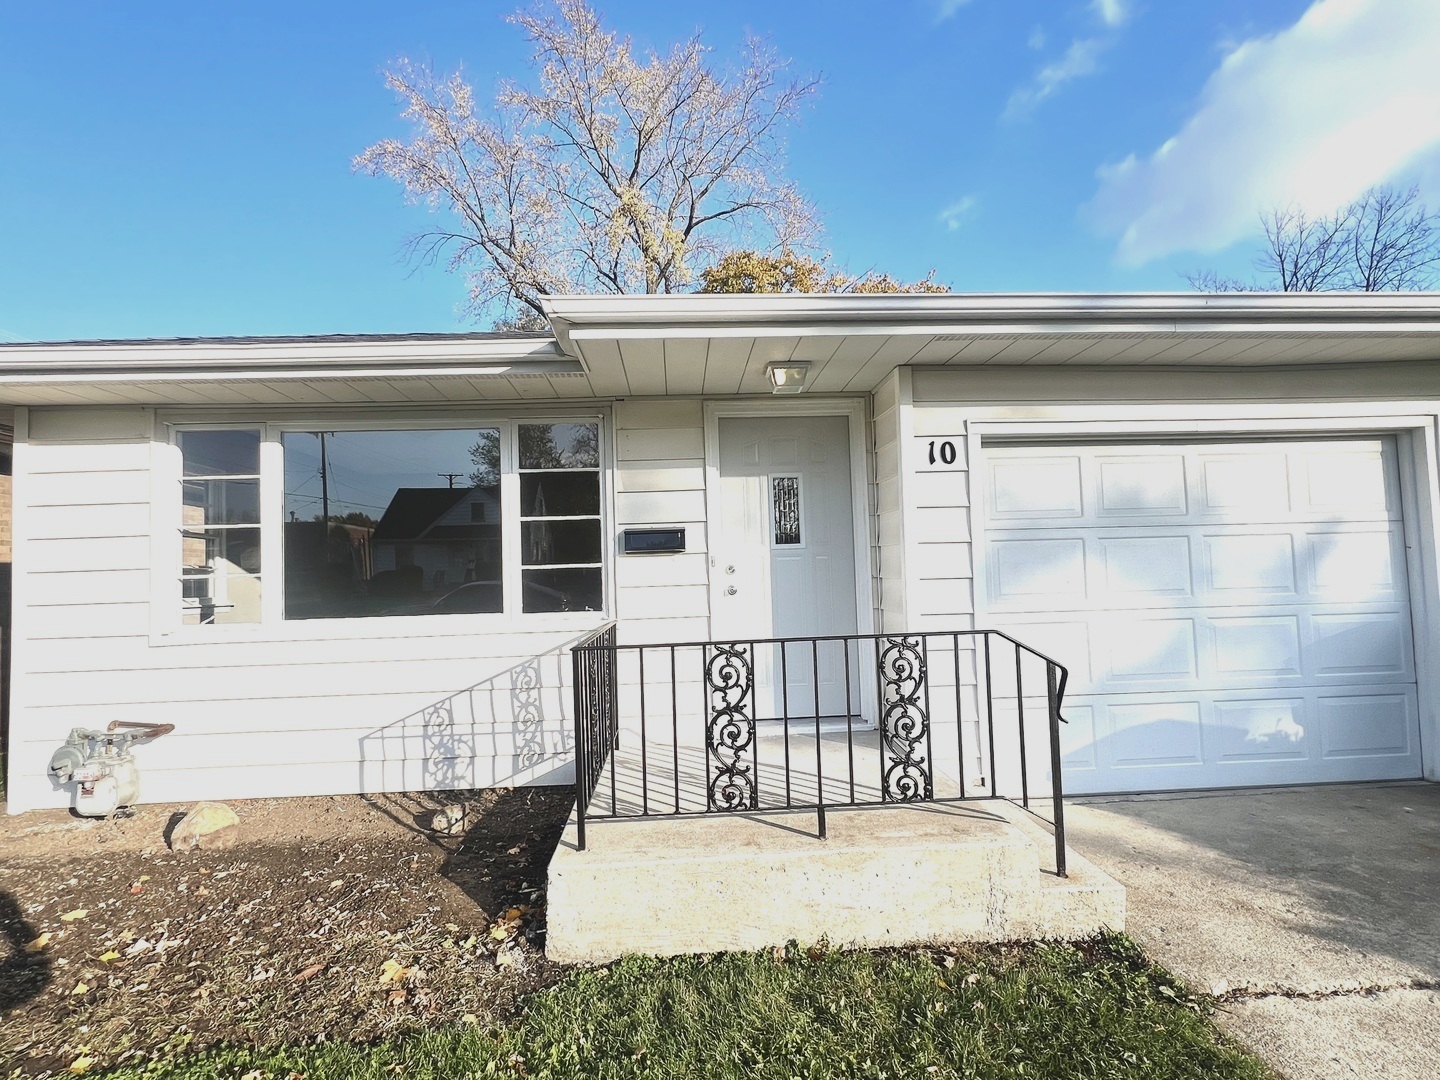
(655, 344)
(333, 368)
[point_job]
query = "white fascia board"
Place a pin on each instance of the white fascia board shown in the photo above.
(104, 362)
(785, 314)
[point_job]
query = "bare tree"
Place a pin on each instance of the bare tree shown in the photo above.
(615, 173)
(1395, 242)
(1385, 240)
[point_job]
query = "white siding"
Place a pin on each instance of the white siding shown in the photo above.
(314, 707)
(660, 481)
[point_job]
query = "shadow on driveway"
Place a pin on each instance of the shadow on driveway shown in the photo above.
(1297, 889)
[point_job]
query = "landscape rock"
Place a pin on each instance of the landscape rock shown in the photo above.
(450, 820)
(209, 826)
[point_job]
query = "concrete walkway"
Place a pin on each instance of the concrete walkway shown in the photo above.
(1311, 914)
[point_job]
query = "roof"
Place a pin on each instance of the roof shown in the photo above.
(412, 511)
(691, 344)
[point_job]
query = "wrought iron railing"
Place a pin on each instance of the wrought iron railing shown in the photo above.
(816, 723)
(596, 719)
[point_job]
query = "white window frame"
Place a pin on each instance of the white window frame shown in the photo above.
(166, 627)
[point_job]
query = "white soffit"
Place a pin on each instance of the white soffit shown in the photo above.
(649, 345)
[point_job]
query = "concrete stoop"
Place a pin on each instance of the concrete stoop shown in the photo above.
(883, 877)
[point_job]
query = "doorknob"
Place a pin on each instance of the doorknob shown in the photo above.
(731, 591)
(729, 569)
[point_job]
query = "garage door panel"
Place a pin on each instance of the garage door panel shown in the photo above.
(1147, 742)
(1352, 481)
(1022, 571)
(1248, 647)
(1146, 734)
(1043, 489)
(1272, 729)
(1368, 726)
(1346, 644)
(1250, 483)
(1145, 566)
(1356, 562)
(1231, 614)
(1149, 651)
(1149, 485)
(1259, 567)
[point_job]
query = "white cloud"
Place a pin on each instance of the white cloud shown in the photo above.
(1081, 58)
(1347, 97)
(958, 212)
(946, 9)
(1037, 38)
(1110, 12)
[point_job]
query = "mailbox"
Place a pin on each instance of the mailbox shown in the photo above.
(652, 541)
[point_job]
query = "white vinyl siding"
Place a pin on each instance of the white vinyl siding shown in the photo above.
(303, 708)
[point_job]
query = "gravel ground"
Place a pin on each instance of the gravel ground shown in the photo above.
(341, 917)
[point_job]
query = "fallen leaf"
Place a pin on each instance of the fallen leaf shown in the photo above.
(136, 889)
(80, 988)
(392, 971)
(336, 883)
(514, 850)
(202, 891)
(71, 916)
(469, 1018)
(39, 943)
(143, 878)
(310, 972)
(500, 931)
(106, 957)
(254, 1074)
(82, 1064)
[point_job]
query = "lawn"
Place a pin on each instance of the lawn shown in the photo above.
(1054, 1011)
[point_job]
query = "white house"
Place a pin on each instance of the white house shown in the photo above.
(1219, 512)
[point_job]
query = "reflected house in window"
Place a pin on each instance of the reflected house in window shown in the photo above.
(431, 540)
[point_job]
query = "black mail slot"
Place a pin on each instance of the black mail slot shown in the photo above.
(653, 541)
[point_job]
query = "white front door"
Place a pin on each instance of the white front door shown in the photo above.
(783, 558)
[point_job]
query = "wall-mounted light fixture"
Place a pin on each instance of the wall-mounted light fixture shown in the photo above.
(788, 378)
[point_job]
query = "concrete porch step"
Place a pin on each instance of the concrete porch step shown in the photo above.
(883, 877)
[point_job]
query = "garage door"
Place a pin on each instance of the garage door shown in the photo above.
(1232, 613)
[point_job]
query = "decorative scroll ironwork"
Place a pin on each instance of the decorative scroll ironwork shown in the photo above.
(904, 725)
(730, 729)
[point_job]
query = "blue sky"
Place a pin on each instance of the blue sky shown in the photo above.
(184, 168)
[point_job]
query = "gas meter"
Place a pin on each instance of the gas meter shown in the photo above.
(101, 766)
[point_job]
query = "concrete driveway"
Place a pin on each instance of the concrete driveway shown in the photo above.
(1311, 914)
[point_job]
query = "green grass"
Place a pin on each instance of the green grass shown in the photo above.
(1052, 1011)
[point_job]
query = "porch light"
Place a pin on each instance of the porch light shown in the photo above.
(787, 378)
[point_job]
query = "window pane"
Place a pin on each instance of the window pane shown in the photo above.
(786, 500)
(559, 446)
(220, 598)
(223, 551)
(545, 543)
(222, 502)
(220, 453)
(562, 590)
(392, 522)
(559, 494)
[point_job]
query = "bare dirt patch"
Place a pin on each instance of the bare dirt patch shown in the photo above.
(341, 917)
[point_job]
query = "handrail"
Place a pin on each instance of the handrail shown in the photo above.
(717, 731)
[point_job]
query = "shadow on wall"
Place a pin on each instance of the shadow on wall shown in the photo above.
(23, 975)
(513, 728)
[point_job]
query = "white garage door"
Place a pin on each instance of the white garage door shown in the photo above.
(1231, 613)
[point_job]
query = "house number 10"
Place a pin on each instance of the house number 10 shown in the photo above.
(946, 451)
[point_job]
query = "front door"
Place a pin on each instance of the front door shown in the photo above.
(783, 558)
